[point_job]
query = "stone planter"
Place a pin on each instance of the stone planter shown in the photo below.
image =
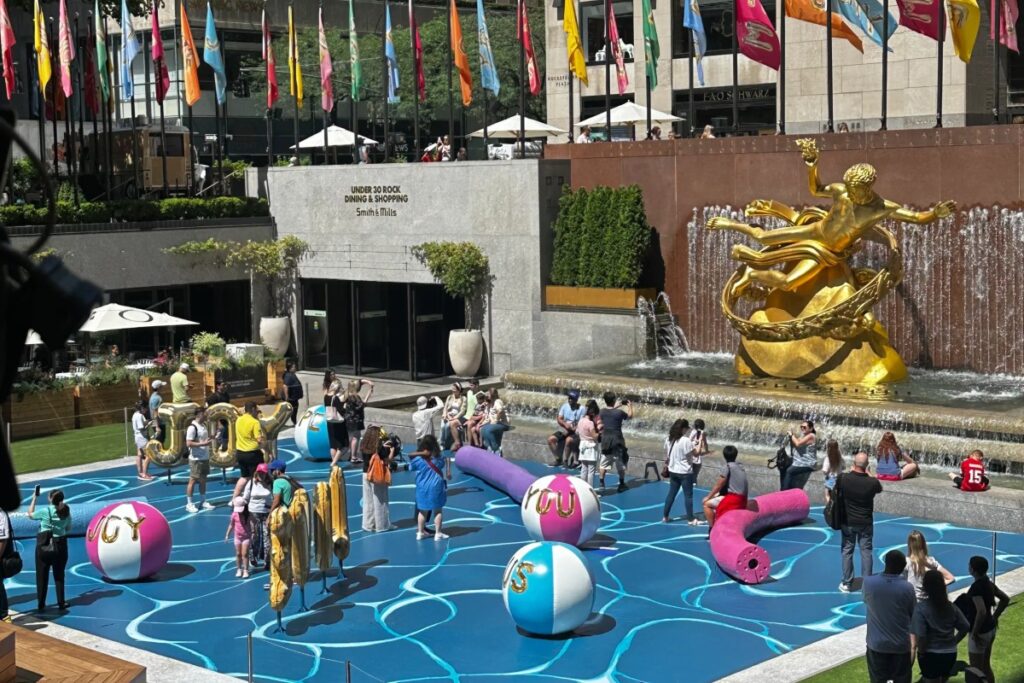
(466, 350)
(41, 413)
(595, 297)
(276, 333)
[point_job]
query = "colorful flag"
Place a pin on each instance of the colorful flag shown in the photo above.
(55, 107)
(651, 48)
(42, 46)
(102, 61)
(163, 79)
(693, 21)
(573, 42)
(326, 69)
(523, 34)
(130, 49)
(488, 73)
(7, 42)
(921, 16)
(616, 48)
(392, 57)
(756, 35)
(1007, 13)
(353, 55)
(867, 15)
(964, 22)
(294, 65)
(67, 50)
(417, 54)
(459, 57)
(808, 10)
(91, 102)
(190, 58)
(271, 63)
(214, 57)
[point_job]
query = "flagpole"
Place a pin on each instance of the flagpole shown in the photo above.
(648, 78)
(80, 86)
(54, 84)
(415, 86)
(91, 40)
(149, 103)
(829, 127)
(885, 65)
(135, 133)
(997, 25)
(782, 71)
(485, 122)
(42, 95)
(451, 110)
(520, 31)
(607, 71)
(387, 79)
(571, 137)
(735, 71)
(108, 105)
(355, 133)
(216, 149)
(689, 66)
(938, 74)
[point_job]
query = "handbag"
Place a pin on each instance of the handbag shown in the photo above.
(782, 460)
(332, 413)
(378, 472)
(835, 508)
(10, 563)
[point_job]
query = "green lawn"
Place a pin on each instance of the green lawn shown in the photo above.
(73, 447)
(1007, 655)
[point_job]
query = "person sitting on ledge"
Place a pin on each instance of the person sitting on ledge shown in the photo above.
(734, 485)
(890, 455)
(972, 474)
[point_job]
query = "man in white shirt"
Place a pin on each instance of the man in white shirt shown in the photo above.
(197, 438)
(139, 423)
(423, 418)
(584, 136)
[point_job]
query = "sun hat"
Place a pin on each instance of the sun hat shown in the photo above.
(158, 383)
(421, 402)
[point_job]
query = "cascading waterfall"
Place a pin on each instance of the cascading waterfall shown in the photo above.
(667, 336)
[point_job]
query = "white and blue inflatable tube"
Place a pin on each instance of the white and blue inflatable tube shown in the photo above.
(81, 515)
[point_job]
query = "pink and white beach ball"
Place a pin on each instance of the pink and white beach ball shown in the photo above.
(128, 541)
(561, 508)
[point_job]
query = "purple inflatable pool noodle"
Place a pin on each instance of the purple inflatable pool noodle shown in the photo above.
(738, 557)
(495, 470)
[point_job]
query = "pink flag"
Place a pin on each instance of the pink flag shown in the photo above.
(67, 50)
(163, 79)
(326, 69)
(1007, 12)
(6, 45)
(756, 35)
(616, 48)
(268, 57)
(921, 16)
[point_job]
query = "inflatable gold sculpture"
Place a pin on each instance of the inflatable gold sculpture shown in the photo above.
(281, 529)
(177, 416)
(299, 510)
(323, 542)
(339, 518)
(813, 320)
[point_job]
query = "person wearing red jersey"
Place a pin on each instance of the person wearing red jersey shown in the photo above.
(972, 474)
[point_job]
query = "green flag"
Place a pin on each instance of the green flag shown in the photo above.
(102, 63)
(353, 55)
(651, 48)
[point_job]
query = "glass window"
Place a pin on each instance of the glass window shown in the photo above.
(592, 26)
(718, 25)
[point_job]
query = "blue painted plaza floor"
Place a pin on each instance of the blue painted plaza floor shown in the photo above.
(412, 610)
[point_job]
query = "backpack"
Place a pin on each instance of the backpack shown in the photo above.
(835, 508)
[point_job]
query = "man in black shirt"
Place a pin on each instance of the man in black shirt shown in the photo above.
(613, 443)
(221, 394)
(858, 490)
(292, 389)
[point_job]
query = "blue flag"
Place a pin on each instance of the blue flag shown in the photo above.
(130, 49)
(693, 21)
(213, 56)
(392, 56)
(488, 73)
(867, 14)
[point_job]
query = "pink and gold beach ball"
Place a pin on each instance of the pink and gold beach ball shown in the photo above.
(128, 541)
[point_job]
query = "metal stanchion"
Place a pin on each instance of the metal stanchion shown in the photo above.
(993, 557)
(348, 671)
(248, 646)
(127, 442)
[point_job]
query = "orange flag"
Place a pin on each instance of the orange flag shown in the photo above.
(460, 58)
(191, 60)
(808, 10)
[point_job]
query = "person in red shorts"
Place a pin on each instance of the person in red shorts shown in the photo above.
(729, 492)
(972, 474)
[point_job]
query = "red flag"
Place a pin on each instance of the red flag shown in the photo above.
(921, 16)
(756, 35)
(417, 54)
(268, 57)
(92, 102)
(523, 35)
(163, 79)
(7, 42)
(616, 47)
(55, 101)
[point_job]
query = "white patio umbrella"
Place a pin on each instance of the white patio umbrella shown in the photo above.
(509, 129)
(117, 317)
(627, 114)
(336, 137)
(33, 338)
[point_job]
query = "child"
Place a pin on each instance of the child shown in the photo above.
(972, 474)
(239, 522)
(733, 482)
(586, 429)
(431, 487)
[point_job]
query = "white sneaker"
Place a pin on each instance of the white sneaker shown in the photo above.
(207, 506)
(238, 573)
(844, 587)
(698, 522)
(191, 507)
(421, 535)
(440, 536)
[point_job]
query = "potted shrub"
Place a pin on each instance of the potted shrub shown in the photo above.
(464, 271)
(206, 345)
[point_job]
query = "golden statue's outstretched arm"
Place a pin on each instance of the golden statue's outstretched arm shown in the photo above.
(940, 210)
(809, 152)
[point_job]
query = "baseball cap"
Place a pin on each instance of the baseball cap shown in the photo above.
(278, 465)
(183, 366)
(238, 503)
(573, 393)
(262, 467)
(158, 383)
(421, 402)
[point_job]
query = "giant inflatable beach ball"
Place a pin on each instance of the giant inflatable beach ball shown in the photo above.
(311, 436)
(548, 588)
(562, 508)
(128, 541)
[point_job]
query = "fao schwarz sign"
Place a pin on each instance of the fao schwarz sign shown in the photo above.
(377, 201)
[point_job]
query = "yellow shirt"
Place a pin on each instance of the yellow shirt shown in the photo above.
(179, 388)
(247, 433)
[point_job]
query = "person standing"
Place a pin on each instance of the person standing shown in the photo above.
(376, 515)
(284, 486)
(613, 443)
(139, 423)
(584, 137)
(6, 552)
(334, 410)
(155, 401)
(935, 630)
(831, 466)
(197, 438)
(249, 439)
(919, 562)
(858, 490)
(805, 458)
(565, 442)
(259, 498)
(292, 389)
(586, 429)
(355, 405)
(699, 438)
(180, 385)
(983, 613)
(239, 523)
(51, 545)
(679, 461)
(890, 602)
(431, 486)
(219, 395)
(423, 418)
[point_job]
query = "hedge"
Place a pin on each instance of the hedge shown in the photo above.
(130, 210)
(601, 238)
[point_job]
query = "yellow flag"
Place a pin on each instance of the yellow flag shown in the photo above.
(573, 43)
(42, 46)
(191, 60)
(294, 67)
(964, 20)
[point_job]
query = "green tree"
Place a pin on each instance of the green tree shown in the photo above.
(591, 270)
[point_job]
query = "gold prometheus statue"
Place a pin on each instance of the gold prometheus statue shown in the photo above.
(815, 322)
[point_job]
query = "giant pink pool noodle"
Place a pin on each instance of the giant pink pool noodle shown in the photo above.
(495, 470)
(738, 557)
